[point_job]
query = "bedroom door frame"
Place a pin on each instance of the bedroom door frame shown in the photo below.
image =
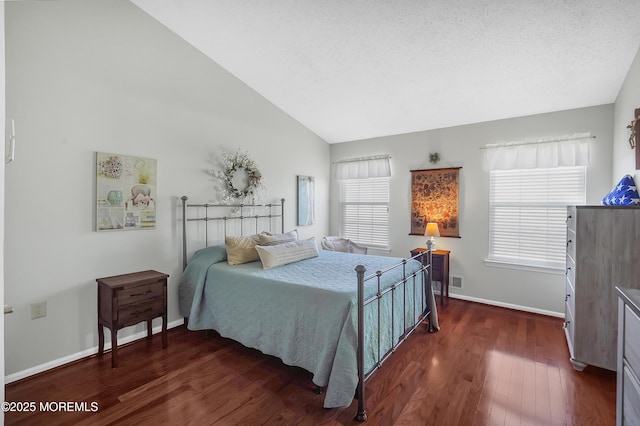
(2, 179)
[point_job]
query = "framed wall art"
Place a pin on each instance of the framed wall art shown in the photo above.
(126, 191)
(306, 202)
(434, 198)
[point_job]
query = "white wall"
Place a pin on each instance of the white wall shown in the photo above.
(460, 146)
(627, 102)
(90, 75)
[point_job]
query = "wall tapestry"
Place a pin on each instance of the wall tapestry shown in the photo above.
(126, 191)
(306, 208)
(434, 198)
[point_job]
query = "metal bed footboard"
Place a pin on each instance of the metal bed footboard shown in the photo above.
(425, 274)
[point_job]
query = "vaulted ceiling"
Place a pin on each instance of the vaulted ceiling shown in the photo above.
(358, 69)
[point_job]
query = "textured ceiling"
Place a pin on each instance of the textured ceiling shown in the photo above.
(358, 69)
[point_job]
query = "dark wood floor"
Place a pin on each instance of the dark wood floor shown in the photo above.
(487, 366)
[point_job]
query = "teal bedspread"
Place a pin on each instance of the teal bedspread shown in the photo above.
(304, 313)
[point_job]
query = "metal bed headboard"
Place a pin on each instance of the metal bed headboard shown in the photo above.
(240, 208)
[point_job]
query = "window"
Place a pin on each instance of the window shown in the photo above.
(528, 211)
(364, 211)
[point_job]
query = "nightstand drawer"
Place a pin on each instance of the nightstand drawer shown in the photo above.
(437, 263)
(133, 314)
(436, 273)
(440, 266)
(140, 293)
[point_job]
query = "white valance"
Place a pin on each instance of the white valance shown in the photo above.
(363, 168)
(561, 152)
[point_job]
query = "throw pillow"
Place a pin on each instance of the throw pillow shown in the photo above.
(269, 239)
(282, 254)
(625, 193)
(242, 249)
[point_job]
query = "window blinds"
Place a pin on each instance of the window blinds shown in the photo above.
(528, 209)
(364, 211)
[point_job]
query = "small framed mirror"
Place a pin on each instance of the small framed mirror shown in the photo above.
(306, 207)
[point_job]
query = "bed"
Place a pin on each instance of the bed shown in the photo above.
(322, 313)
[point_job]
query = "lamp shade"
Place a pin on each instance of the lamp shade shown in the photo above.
(432, 230)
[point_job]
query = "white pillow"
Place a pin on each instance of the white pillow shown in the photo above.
(269, 239)
(282, 254)
(241, 249)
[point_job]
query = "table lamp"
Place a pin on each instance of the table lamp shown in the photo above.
(432, 231)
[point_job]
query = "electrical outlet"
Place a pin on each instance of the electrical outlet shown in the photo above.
(38, 310)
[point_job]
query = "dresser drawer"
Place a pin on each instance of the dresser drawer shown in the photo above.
(140, 293)
(570, 297)
(569, 326)
(571, 219)
(570, 270)
(630, 398)
(632, 339)
(571, 246)
(133, 314)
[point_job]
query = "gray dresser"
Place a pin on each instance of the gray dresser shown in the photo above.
(628, 390)
(603, 251)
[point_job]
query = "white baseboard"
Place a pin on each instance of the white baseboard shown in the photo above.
(83, 354)
(508, 305)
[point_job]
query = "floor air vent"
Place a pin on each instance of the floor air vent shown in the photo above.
(456, 282)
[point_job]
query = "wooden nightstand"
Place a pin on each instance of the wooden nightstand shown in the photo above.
(129, 299)
(439, 269)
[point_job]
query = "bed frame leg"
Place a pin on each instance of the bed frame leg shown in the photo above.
(362, 415)
(318, 390)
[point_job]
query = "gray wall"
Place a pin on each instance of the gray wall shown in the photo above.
(628, 100)
(460, 146)
(90, 75)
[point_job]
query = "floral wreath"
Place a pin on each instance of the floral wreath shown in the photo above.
(232, 163)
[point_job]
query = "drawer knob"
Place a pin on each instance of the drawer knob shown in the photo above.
(568, 242)
(567, 297)
(566, 324)
(568, 269)
(568, 217)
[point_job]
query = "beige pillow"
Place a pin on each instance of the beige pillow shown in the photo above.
(242, 249)
(269, 239)
(282, 254)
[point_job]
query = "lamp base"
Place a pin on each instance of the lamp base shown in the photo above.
(431, 244)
